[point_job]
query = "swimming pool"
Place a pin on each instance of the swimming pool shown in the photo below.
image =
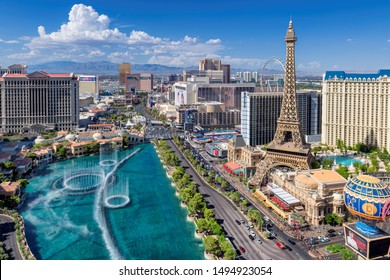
(344, 160)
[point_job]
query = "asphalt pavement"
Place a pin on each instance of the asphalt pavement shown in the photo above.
(227, 214)
(8, 237)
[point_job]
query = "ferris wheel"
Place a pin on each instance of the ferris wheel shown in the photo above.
(267, 86)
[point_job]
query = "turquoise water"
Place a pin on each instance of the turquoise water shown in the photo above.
(153, 226)
(344, 160)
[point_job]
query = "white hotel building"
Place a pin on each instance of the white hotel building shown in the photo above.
(38, 101)
(355, 108)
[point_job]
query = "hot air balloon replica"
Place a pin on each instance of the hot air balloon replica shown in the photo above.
(368, 199)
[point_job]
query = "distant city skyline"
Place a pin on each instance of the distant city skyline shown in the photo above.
(332, 35)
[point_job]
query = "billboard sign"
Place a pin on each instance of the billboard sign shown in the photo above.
(87, 79)
(356, 241)
(180, 96)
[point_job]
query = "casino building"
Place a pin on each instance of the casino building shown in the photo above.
(355, 108)
(38, 101)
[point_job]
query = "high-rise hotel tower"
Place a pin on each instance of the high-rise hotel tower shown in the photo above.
(38, 101)
(356, 108)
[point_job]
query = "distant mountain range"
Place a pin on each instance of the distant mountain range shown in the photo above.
(109, 68)
(101, 68)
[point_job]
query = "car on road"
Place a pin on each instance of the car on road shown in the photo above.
(288, 248)
(331, 231)
(292, 242)
(238, 222)
(247, 227)
(331, 235)
(251, 237)
(325, 239)
(250, 224)
(259, 241)
(253, 233)
(280, 245)
(242, 249)
(242, 221)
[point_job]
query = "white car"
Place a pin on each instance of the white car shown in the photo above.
(253, 233)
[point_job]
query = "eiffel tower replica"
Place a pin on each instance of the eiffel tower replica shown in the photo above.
(288, 147)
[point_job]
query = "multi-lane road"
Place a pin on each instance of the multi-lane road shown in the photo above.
(8, 237)
(227, 213)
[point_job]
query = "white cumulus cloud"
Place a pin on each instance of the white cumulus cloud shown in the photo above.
(84, 25)
(9, 41)
(87, 35)
(214, 41)
(141, 37)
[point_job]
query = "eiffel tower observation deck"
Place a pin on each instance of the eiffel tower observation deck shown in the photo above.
(288, 147)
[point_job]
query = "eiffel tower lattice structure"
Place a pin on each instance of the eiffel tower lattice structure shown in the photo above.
(288, 148)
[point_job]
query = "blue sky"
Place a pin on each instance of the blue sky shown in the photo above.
(332, 35)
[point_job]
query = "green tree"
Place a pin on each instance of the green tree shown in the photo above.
(315, 164)
(235, 196)
(224, 184)
(31, 155)
(316, 150)
(9, 165)
(211, 245)
(243, 204)
(215, 227)
(230, 254)
(196, 204)
(329, 219)
(343, 171)
(338, 220)
(62, 152)
(3, 254)
(347, 254)
(340, 144)
(12, 201)
(183, 182)
(92, 148)
(327, 163)
(335, 248)
(208, 213)
(178, 173)
(23, 182)
(203, 225)
(186, 194)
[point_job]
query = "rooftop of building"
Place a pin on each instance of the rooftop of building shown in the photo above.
(22, 161)
(341, 75)
(37, 74)
(5, 155)
(313, 178)
(8, 187)
(43, 152)
(9, 145)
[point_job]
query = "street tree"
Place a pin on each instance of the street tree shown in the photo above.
(230, 254)
(244, 204)
(186, 194)
(235, 196)
(196, 204)
(208, 213)
(211, 245)
(203, 225)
